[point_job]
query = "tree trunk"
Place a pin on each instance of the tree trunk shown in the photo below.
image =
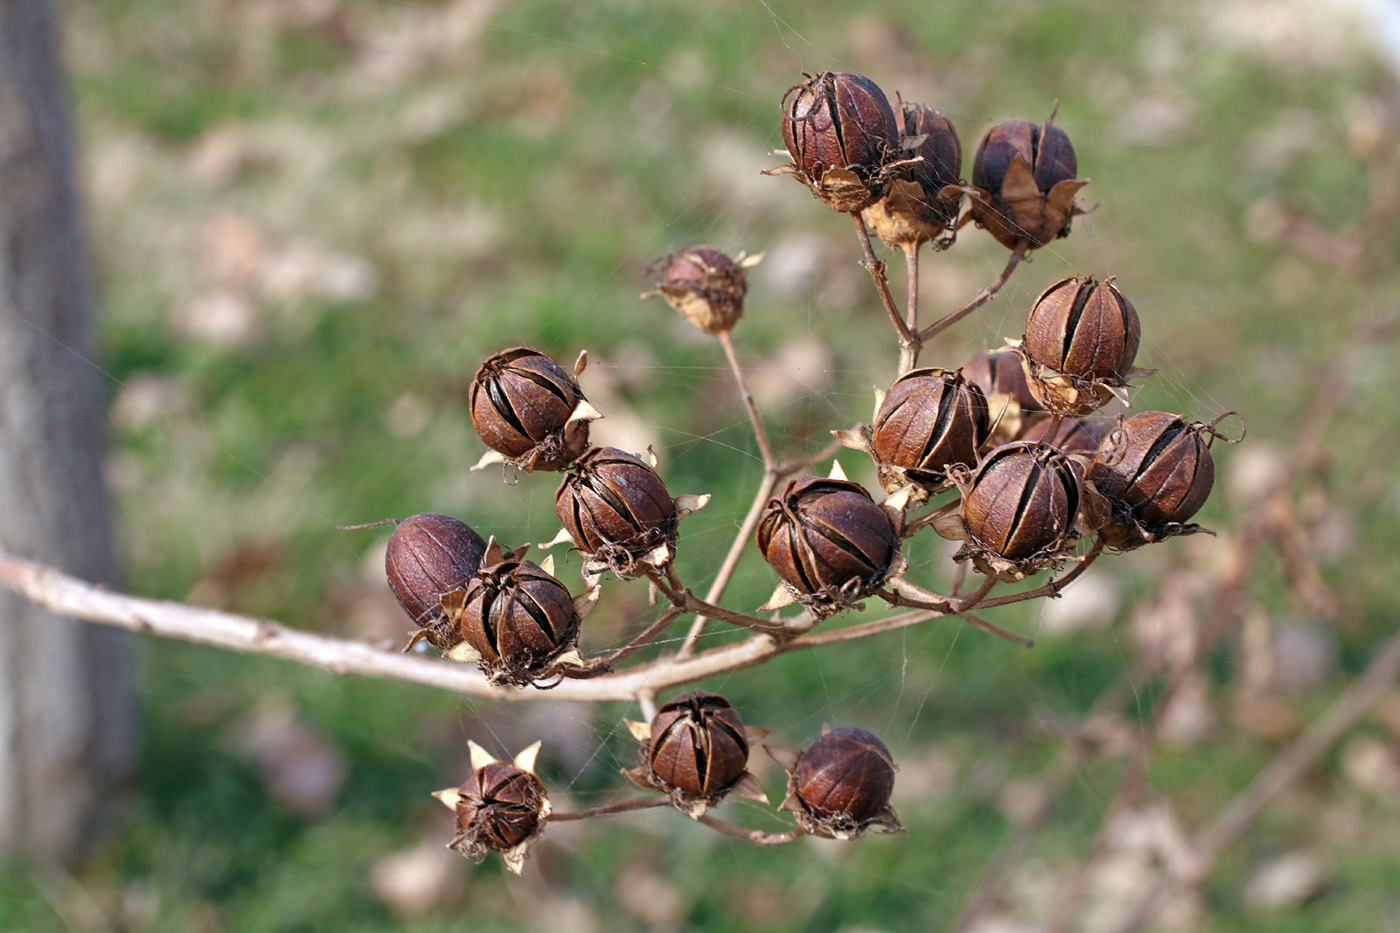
(65, 694)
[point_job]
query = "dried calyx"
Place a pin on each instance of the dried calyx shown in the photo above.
(1019, 510)
(1023, 183)
(841, 785)
(1156, 470)
(705, 286)
(696, 750)
(517, 619)
(428, 556)
(528, 410)
(841, 134)
(617, 510)
(829, 542)
(921, 204)
(501, 807)
(1081, 339)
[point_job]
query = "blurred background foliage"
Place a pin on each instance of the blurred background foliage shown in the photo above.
(312, 219)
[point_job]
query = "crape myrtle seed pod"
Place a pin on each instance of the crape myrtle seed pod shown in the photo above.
(429, 555)
(841, 132)
(705, 286)
(1010, 403)
(1020, 507)
(1081, 340)
(518, 617)
(698, 746)
(842, 783)
(929, 420)
(615, 507)
(1023, 174)
(1157, 471)
(922, 204)
(828, 541)
(499, 808)
(1070, 436)
(521, 403)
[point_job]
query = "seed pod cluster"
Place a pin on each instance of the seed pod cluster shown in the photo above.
(929, 420)
(1024, 176)
(828, 541)
(1081, 339)
(499, 808)
(1157, 471)
(524, 406)
(922, 203)
(841, 785)
(705, 286)
(616, 508)
(428, 556)
(517, 616)
(1019, 510)
(841, 132)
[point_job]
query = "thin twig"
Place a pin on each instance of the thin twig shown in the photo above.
(624, 806)
(752, 835)
(876, 268)
(909, 353)
(981, 298)
(765, 447)
(642, 639)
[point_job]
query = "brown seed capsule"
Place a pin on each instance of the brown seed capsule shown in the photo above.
(1010, 403)
(923, 204)
(615, 507)
(698, 747)
(840, 131)
(1021, 505)
(1072, 434)
(930, 419)
(1024, 173)
(842, 784)
(705, 286)
(429, 555)
(828, 541)
(1081, 337)
(521, 402)
(518, 617)
(498, 808)
(1157, 471)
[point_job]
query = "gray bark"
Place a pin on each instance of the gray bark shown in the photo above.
(65, 695)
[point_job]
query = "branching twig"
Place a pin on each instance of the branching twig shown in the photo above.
(625, 806)
(981, 298)
(752, 835)
(909, 341)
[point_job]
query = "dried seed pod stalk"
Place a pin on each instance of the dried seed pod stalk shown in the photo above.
(841, 785)
(617, 510)
(1081, 339)
(922, 204)
(842, 137)
(1002, 378)
(1156, 470)
(829, 542)
(1019, 510)
(929, 420)
(1023, 183)
(515, 616)
(529, 410)
(501, 807)
(696, 750)
(705, 286)
(428, 556)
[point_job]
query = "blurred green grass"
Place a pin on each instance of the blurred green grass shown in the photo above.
(505, 173)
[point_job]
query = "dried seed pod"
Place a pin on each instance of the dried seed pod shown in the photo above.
(841, 785)
(526, 407)
(501, 807)
(828, 541)
(1081, 339)
(616, 508)
(1069, 436)
(1019, 509)
(698, 747)
(1010, 403)
(1023, 176)
(929, 420)
(841, 133)
(517, 616)
(428, 556)
(705, 286)
(923, 204)
(1157, 471)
